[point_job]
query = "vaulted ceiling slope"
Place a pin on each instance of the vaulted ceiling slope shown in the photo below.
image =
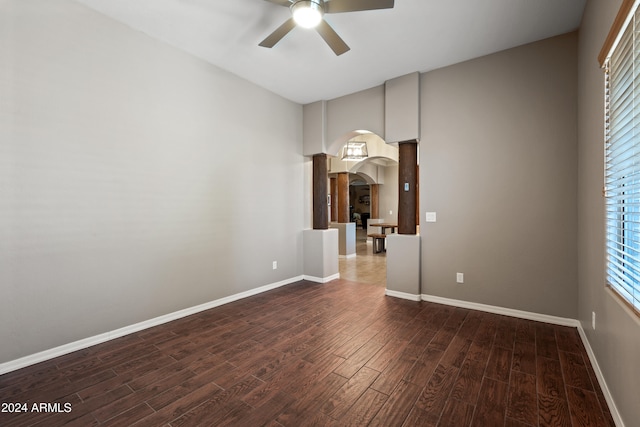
(416, 35)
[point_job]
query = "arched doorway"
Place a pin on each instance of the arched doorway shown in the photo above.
(372, 197)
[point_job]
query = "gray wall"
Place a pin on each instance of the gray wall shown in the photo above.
(388, 196)
(616, 339)
(135, 180)
(365, 109)
(498, 164)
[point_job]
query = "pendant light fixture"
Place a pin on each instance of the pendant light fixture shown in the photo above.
(355, 150)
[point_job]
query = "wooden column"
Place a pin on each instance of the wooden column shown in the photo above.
(343, 197)
(374, 209)
(417, 194)
(334, 199)
(407, 200)
(320, 205)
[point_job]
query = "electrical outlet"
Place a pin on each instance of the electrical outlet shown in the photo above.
(275, 265)
(460, 277)
(593, 319)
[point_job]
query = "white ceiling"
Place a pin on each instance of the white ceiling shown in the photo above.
(416, 35)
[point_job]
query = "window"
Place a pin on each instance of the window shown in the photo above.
(622, 154)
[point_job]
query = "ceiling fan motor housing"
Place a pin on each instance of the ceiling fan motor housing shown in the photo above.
(307, 13)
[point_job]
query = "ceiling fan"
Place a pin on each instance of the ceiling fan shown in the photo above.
(309, 14)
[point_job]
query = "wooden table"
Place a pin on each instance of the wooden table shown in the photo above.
(384, 225)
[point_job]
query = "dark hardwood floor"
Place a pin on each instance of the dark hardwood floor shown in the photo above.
(338, 354)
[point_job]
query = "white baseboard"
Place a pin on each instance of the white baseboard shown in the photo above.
(107, 336)
(603, 384)
(349, 256)
(563, 321)
(321, 279)
(403, 295)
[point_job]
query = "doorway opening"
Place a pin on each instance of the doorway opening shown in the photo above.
(366, 266)
(372, 198)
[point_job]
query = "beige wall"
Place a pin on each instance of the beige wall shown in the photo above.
(135, 179)
(616, 339)
(498, 164)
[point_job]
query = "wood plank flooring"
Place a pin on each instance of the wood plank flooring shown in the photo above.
(338, 354)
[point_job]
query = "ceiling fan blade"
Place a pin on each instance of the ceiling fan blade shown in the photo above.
(279, 33)
(332, 38)
(338, 6)
(280, 2)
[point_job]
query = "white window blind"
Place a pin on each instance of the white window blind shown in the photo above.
(622, 163)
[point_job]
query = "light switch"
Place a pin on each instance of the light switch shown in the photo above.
(431, 217)
(406, 186)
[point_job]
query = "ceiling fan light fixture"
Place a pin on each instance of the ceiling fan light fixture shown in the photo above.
(307, 13)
